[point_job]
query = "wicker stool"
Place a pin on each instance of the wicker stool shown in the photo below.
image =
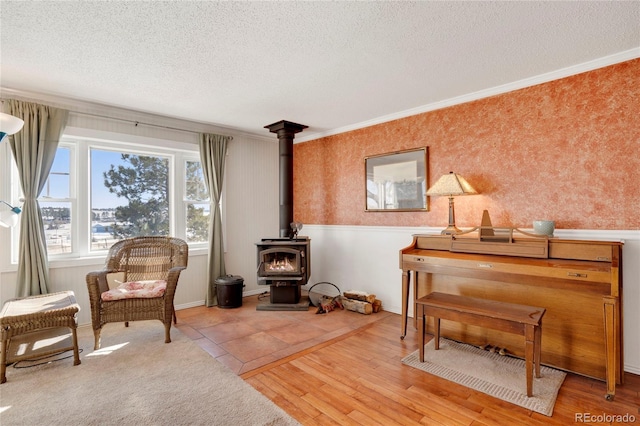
(29, 319)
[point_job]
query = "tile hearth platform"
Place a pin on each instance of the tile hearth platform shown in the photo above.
(246, 338)
(302, 305)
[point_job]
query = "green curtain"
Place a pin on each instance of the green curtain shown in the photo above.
(213, 152)
(34, 148)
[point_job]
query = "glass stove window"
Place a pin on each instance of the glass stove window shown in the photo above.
(280, 262)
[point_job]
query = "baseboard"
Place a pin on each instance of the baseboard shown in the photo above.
(189, 305)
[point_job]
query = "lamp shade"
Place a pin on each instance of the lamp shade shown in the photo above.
(10, 124)
(9, 218)
(451, 184)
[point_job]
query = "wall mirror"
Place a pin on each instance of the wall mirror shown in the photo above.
(397, 181)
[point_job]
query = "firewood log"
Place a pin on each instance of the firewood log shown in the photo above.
(328, 304)
(377, 305)
(357, 306)
(360, 295)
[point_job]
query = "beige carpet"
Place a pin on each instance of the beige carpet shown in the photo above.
(500, 376)
(135, 379)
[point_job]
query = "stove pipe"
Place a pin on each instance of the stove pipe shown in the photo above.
(286, 131)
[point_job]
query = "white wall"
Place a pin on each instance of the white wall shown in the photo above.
(367, 259)
(251, 206)
(250, 203)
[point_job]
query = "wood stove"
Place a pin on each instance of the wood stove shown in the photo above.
(283, 264)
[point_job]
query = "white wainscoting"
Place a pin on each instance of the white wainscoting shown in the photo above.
(367, 258)
(352, 257)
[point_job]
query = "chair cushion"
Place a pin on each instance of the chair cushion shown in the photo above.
(136, 289)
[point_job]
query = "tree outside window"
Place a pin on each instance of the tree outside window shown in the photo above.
(197, 203)
(130, 196)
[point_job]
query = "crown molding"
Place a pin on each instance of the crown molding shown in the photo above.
(108, 111)
(624, 56)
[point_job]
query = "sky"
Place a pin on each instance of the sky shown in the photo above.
(101, 161)
(58, 185)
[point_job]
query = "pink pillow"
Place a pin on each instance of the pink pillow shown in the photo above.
(136, 289)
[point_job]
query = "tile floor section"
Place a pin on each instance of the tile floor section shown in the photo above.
(244, 338)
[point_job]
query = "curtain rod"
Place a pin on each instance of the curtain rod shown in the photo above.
(135, 122)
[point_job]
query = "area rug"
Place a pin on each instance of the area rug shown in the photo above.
(500, 376)
(135, 379)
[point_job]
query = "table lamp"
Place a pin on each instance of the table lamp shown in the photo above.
(450, 185)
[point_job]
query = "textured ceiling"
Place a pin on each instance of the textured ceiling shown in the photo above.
(328, 65)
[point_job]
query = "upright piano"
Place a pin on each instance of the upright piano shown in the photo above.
(578, 282)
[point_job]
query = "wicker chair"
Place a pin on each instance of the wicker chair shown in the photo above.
(138, 259)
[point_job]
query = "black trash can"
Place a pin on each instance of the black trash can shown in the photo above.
(229, 291)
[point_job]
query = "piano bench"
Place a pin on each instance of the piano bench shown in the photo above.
(503, 316)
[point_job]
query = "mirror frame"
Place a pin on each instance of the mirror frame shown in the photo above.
(407, 168)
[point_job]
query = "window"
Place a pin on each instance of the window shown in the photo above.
(99, 192)
(56, 203)
(129, 196)
(197, 203)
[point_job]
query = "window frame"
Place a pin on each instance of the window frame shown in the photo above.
(80, 145)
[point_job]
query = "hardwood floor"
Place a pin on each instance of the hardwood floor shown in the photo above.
(345, 368)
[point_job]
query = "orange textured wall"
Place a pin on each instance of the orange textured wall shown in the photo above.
(567, 150)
